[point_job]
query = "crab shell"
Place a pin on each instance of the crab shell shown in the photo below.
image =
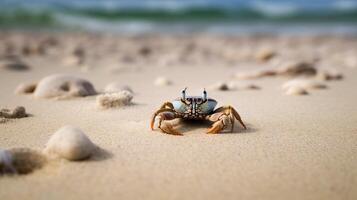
(194, 106)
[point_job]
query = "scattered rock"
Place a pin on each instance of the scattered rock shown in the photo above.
(18, 112)
(13, 64)
(73, 60)
(296, 68)
(32, 49)
(254, 74)
(25, 88)
(244, 86)
(69, 143)
(304, 83)
(222, 86)
(265, 55)
(20, 161)
(296, 90)
(114, 100)
(61, 86)
(329, 74)
(162, 81)
(116, 87)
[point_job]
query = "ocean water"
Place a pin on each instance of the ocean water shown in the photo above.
(182, 16)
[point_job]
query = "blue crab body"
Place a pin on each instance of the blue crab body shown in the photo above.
(194, 107)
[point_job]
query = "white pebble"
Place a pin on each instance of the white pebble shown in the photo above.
(296, 90)
(69, 143)
(114, 100)
(162, 81)
(304, 83)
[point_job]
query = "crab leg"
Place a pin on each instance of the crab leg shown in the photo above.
(167, 105)
(161, 110)
(221, 117)
(232, 112)
(164, 115)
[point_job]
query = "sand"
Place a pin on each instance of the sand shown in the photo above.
(294, 148)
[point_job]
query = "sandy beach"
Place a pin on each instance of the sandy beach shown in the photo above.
(294, 147)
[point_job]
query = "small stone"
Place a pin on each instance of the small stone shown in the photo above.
(69, 143)
(73, 60)
(114, 100)
(329, 75)
(296, 90)
(18, 112)
(265, 55)
(296, 68)
(254, 74)
(162, 81)
(304, 83)
(221, 86)
(13, 64)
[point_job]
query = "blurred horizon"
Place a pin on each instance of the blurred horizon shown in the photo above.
(183, 16)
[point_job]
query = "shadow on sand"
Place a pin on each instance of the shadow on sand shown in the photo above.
(189, 125)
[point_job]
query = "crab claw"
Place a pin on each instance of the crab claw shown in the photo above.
(169, 129)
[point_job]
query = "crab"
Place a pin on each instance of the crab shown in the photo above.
(195, 108)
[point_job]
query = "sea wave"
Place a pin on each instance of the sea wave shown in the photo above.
(150, 14)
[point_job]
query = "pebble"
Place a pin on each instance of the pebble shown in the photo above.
(69, 143)
(296, 90)
(162, 81)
